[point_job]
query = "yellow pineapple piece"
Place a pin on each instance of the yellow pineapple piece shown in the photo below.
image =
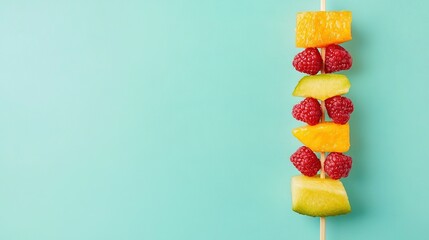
(324, 137)
(321, 28)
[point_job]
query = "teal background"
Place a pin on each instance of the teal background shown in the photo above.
(170, 119)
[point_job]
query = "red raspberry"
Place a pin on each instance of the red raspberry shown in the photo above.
(339, 109)
(308, 110)
(308, 61)
(337, 59)
(338, 165)
(306, 161)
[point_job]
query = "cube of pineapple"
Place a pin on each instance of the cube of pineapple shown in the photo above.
(321, 28)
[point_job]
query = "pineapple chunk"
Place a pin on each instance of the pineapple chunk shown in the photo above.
(319, 29)
(324, 137)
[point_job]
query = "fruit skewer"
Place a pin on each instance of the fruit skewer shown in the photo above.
(312, 195)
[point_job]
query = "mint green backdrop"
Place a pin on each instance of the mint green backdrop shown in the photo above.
(170, 119)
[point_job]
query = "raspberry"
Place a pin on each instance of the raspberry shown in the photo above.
(308, 110)
(308, 61)
(337, 59)
(339, 109)
(306, 161)
(338, 165)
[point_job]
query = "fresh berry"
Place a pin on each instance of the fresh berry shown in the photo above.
(337, 59)
(306, 161)
(308, 61)
(339, 109)
(338, 165)
(308, 110)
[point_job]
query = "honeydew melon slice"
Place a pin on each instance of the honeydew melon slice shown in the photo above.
(317, 197)
(322, 86)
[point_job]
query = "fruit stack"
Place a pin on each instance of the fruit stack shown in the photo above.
(325, 142)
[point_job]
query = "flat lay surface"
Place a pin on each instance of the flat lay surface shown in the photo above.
(171, 119)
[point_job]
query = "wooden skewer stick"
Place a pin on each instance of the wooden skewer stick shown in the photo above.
(322, 5)
(322, 175)
(322, 154)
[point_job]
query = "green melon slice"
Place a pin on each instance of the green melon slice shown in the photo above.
(322, 86)
(317, 197)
